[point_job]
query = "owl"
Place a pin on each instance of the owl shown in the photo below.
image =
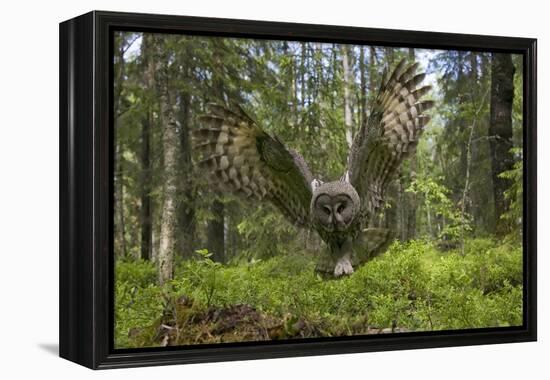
(240, 157)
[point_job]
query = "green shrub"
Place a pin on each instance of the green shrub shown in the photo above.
(136, 273)
(138, 299)
(413, 286)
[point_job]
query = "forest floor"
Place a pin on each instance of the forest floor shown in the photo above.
(412, 287)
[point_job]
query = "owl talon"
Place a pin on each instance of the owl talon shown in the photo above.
(343, 267)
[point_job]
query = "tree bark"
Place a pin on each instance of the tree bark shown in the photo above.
(186, 209)
(145, 211)
(461, 122)
(410, 198)
(363, 87)
(169, 141)
(372, 69)
(348, 79)
(215, 231)
(500, 131)
(119, 186)
(120, 226)
(146, 220)
(390, 56)
(392, 216)
(303, 77)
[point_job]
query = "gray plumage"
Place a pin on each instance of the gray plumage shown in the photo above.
(240, 157)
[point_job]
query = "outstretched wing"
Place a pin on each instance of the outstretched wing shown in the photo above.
(390, 134)
(242, 158)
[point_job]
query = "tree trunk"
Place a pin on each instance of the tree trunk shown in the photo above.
(500, 131)
(119, 186)
(166, 251)
(373, 63)
(186, 178)
(348, 80)
(403, 210)
(186, 208)
(392, 215)
(146, 220)
(410, 198)
(215, 231)
(303, 77)
(482, 215)
(169, 145)
(363, 87)
(390, 57)
(461, 122)
(145, 211)
(120, 226)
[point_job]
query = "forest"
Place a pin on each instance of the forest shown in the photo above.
(195, 266)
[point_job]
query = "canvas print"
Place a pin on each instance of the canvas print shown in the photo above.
(269, 190)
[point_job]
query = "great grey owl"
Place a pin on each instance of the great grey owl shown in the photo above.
(240, 157)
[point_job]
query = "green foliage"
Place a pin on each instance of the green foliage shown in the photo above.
(138, 273)
(138, 299)
(295, 90)
(514, 194)
(268, 232)
(204, 274)
(437, 201)
(413, 286)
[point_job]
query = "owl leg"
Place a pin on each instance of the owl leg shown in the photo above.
(343, 264)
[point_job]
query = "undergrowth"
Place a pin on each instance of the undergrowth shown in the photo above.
(412, 287)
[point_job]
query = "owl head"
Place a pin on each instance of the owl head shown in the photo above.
(334, 205)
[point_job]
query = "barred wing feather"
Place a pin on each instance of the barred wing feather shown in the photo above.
(240, 157)
(390, 134)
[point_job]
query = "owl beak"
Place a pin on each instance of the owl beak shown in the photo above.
(339, 224)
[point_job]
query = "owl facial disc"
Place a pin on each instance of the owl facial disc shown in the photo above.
(334, 205)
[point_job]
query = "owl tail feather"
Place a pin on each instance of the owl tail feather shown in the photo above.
(369, 244)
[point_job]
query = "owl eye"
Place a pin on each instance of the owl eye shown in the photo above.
(327, 210)
(340, 209)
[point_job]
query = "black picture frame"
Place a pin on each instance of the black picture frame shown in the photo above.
(86, 188)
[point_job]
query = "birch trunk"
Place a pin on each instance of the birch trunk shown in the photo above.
(169, 140)
(348, 80)
(363, 87)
